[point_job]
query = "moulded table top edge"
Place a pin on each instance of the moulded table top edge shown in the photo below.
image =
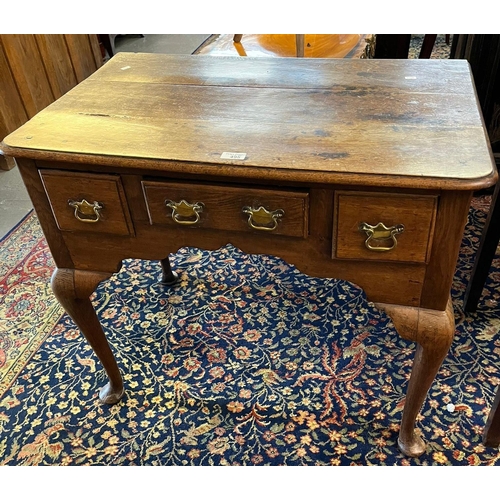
(250, 173)
(363, 130)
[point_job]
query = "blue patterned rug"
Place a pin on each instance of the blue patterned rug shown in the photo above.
(249, 362)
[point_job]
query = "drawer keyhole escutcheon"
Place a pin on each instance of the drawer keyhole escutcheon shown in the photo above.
(184, 212)
(85, 211)
(262, 219)
(380, 234)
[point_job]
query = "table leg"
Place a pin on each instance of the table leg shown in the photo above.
(433, 331)
(73, 288)
(484, 255)
(169, 277)
(299, 43)
(491, 433)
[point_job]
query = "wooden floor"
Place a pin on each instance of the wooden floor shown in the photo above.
(327, 46)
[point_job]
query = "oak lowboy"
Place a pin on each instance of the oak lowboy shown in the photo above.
(355, 169)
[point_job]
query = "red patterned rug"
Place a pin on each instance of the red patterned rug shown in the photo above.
(28, 309)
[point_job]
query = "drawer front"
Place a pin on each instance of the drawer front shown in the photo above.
(379, 226)
(260, 211)
(87, 202)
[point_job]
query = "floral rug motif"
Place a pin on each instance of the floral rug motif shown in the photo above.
(246, 361)
(28, 309)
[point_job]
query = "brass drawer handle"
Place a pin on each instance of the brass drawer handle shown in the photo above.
(85, 211)
(380, 233)
(262, 219)
(184, 212)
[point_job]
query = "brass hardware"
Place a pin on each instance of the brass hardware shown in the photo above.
(183, 212)
(381, 233)
(90, 211)
(262, 219)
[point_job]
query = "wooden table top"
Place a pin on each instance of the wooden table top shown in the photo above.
(415, 120)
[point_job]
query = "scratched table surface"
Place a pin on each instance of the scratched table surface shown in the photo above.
(406, 118)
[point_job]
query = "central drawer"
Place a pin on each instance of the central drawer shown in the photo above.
(220, 207)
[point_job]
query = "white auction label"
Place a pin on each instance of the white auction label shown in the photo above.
(233, 156)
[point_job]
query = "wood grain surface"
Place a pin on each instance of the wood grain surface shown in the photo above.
(285, 45)
(415, 213)
(106, 190)
(223, 206)
(37, 69)
(372, 117)
(330, 142)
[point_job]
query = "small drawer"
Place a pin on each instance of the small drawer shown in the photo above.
(383, 226)
(87, 202)
(261, 211)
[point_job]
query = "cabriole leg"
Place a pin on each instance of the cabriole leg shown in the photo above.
(433, 331)
(73, 288)
(169, 277)
(491, 433)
